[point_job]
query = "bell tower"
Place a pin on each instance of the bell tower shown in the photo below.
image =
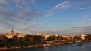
(12, 31)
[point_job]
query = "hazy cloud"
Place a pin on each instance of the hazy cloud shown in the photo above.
(64, 5)
(18, 17)
(3, 2)
(71, 31)
(60, 6)
(82, 4)
(66, 18)
(81, 8)
(79, 5)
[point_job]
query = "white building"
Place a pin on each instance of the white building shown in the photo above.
(44, 35)
(83, 36)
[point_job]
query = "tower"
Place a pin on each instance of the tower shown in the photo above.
(83, 36)
(12, 31)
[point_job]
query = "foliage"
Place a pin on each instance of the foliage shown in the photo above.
(19, 41)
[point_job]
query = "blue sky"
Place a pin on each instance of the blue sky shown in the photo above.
(63, 17)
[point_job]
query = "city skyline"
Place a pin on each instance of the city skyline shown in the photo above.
(63, 17)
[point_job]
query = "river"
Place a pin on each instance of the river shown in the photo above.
(70, 47)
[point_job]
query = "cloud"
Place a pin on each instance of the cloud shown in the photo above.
(60, 6)
(1, 27)
(24, 3)
(71, 31)
(64, 5)
(79, 5)
(17, 3)
(82, 4)
(66, 18)
(3, 2)
(85, 29)
(84, 18)
(81, 8)
(18, 17)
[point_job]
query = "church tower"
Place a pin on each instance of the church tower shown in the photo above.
(83, 36)
(12, 31)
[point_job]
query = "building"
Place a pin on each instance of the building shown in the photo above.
(83, 36)
(46, 36)
(12, 34)
(12, 31)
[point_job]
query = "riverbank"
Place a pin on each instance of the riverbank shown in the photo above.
(33, 46)
(30, 46)
(21, 47)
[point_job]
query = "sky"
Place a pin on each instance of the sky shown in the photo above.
(63, 17)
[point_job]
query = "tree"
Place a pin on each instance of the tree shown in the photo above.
(3, 40)
(51, 38)
(77, 37)
(88, 37)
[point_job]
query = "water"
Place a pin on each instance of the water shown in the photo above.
(70, 47)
